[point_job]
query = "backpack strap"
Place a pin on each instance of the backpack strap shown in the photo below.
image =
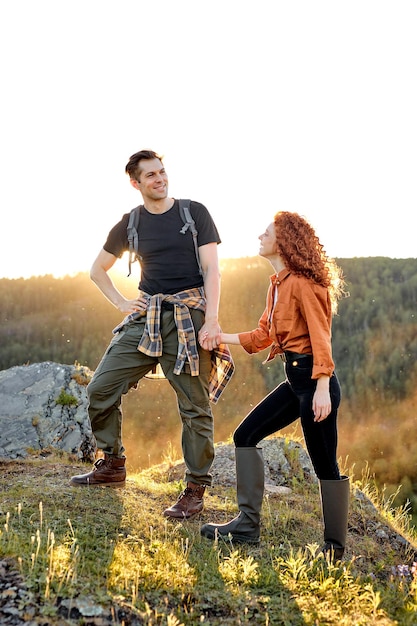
(133, 237)
(133, 230)
(189, 223)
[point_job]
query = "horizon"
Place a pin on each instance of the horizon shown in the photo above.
(119, 270)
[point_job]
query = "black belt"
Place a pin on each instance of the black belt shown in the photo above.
(168, 306)
(290, 357)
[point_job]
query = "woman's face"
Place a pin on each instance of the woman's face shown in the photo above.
(268, 245)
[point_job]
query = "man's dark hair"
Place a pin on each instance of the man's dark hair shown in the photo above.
(133, 169)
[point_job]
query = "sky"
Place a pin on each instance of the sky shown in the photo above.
(301, 105)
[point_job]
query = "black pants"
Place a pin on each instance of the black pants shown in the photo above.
(293, 399)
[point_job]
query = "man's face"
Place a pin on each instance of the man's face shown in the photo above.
(153, 180)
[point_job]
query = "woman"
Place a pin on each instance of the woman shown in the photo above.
(296, 324)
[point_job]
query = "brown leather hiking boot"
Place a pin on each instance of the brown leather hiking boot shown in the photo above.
(109, 471)
(189, 503)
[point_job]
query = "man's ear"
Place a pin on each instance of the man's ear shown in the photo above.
(135, 183)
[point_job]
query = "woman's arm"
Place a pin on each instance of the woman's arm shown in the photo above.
(252, 341)
(230, 338)
(315, 308)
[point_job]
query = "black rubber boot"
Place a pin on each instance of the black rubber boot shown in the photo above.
(250, 490)
(335, 496)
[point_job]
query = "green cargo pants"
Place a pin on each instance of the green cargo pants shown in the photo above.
(122, 366)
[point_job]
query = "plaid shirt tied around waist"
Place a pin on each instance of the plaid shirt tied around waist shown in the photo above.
(151, 341)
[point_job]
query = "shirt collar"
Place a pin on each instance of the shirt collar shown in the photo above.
(276, 279)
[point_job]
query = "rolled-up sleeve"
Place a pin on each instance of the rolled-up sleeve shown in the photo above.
(316, 309)
(257, 339)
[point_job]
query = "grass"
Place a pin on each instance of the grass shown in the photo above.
(108, 556)
(66, 399)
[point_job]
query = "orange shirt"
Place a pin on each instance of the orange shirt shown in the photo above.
(298, 318)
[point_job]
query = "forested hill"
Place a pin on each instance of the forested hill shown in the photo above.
(374, 341)
(374, 333)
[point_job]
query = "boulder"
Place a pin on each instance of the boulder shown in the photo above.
(43, 406)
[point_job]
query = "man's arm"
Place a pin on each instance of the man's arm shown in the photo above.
(209, 335)
(99, 275)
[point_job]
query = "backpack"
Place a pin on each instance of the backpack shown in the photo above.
(133, 236)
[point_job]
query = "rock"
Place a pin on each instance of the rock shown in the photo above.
(282, 458)
(44, 406)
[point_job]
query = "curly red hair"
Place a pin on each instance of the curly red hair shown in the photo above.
(304, 255)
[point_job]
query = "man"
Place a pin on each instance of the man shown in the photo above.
(176, 308)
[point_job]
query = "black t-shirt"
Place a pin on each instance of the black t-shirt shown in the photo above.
(168, 261)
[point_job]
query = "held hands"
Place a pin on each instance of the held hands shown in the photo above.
(209, 335)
